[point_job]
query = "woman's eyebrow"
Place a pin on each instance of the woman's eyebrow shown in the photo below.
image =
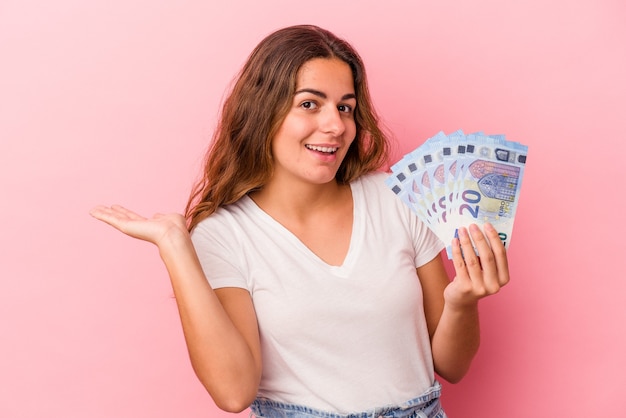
(323, 95)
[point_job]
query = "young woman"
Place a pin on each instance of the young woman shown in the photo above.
(304, 286)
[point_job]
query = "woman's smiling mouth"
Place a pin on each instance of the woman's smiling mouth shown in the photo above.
(325, 150)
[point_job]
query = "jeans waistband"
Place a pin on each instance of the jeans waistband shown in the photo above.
(426, 405)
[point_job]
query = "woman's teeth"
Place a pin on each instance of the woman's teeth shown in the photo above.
(322, 149)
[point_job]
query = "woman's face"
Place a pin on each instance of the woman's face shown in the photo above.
(314, 137)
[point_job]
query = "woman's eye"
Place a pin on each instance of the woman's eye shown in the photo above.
(345, 108)
(308, 105)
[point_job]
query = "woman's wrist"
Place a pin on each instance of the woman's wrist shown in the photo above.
(173, 242)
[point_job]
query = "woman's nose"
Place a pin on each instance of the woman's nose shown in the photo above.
(332, 121)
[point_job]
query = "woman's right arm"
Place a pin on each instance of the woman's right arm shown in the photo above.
(220, 326)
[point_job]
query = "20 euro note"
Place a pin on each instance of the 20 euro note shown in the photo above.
(454, 180)
(488, 190)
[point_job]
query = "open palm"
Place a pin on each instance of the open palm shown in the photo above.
(153, 230)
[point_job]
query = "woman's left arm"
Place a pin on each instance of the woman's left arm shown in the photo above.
(451, 307)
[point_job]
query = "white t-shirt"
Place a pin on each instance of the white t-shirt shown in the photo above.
(339, 338)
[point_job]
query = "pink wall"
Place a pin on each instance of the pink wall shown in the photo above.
(113, 101)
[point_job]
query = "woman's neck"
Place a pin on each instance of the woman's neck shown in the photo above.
(301, 201)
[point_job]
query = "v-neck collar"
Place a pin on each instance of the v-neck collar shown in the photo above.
(347, 265)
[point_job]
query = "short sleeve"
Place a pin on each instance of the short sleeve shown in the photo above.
(218, 259)
(427, 245)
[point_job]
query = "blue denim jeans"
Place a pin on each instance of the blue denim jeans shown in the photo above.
(426, 405)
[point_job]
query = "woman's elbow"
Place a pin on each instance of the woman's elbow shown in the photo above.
(233, 404)
(233, 398)
(452, 378)
(452, 374)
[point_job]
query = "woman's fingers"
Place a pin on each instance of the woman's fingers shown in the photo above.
(115, 213)
(489, 269)
(472, 262)
(499, 254)
(121, 210)
(118, 217)
(457, 258)
(480, 260)
(105, 214)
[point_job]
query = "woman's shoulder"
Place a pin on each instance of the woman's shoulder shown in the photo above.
(225, 217)
(375, 193)
(373, 178)
(373, 182)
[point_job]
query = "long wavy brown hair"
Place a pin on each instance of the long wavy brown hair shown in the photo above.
(239, 159)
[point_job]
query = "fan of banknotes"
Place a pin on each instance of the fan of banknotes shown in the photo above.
(455, 180)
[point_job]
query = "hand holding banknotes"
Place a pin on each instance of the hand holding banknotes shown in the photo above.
(477, 275)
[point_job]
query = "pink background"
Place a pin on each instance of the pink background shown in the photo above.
(114, 101)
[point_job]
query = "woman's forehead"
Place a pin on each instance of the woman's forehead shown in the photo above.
(329, 72)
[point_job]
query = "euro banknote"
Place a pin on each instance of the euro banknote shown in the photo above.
(459, 179)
